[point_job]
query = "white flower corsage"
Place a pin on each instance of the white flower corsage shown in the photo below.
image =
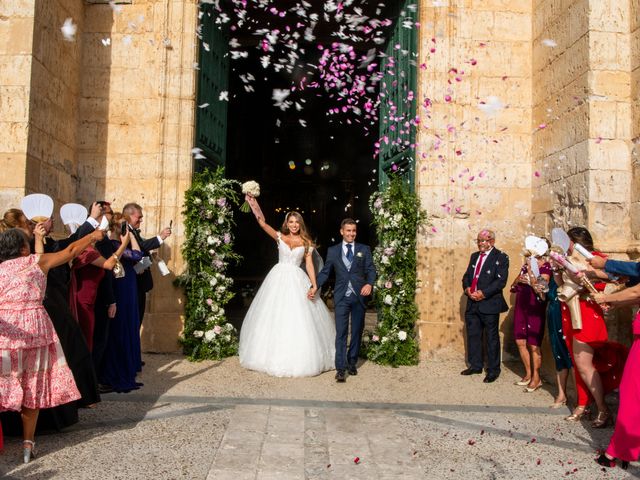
(359, 254)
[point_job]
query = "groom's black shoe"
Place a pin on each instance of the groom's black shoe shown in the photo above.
(470, 371)
(340, 376)
(352, 370)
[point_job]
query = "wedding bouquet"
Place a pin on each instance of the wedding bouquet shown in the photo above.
(249, 188)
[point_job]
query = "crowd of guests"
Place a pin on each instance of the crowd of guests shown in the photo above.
(568, 287)
(70, 314)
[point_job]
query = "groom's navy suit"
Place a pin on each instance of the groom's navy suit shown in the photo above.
(347, 298)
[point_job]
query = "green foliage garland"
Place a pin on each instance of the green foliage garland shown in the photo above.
(397, 216)
(207, 250)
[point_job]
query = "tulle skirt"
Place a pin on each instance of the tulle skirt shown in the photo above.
(284, 333)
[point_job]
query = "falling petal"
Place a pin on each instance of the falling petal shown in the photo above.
(69, 30)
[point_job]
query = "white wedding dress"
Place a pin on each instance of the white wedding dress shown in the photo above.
(284, 333)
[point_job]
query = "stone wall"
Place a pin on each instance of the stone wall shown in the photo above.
(16, 40)
(109, 116)
(473, 169)
(136, 130)
(53, 109)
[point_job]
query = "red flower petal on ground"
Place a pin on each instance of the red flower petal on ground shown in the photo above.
(356, 460)
(471, 441)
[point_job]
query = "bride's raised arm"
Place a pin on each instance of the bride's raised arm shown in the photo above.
(257, 212)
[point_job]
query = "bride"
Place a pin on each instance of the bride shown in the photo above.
(284, 333)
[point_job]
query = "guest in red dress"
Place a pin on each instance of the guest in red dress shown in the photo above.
(87, 271)
(587, 338)
(34, 373)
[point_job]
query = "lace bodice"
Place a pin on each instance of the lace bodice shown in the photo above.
(289, 256)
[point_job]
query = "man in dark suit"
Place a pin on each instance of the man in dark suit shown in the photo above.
(133, 214)
(483, 282)
(355, 274)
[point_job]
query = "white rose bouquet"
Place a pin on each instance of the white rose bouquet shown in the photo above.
(249, 188)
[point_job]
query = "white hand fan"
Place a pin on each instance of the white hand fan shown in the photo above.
(104, 224)
(74, 215)
(534, 267)
(560, 238)
(37, 207)
(538, 246)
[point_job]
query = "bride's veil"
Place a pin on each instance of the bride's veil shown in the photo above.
(318, 263)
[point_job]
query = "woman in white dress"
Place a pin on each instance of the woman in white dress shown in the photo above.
(284, 333)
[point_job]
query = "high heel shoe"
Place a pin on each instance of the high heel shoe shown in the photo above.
(611, 462)
(523, 382)
(603, 420)
(28, 450)
(577, 414)
(532, 389)
(558, 404)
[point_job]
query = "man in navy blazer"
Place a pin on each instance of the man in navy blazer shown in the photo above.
(355, 274)
(483, 282)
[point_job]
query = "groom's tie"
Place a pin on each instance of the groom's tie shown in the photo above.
(349, 253)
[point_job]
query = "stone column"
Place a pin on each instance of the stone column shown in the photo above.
(473, 170)
(16, 39)
(137, 131)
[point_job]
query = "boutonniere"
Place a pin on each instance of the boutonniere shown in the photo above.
(359, 254)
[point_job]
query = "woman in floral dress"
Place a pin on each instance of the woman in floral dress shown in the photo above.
(34, 372)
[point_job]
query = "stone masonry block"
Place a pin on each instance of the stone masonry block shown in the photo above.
(512, 26)
(13, 168)
(609, 16)
(609, 51)
(16, 35)
(615, 85)
(609, 155)
(610, 186)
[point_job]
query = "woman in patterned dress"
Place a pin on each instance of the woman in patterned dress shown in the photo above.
(33, 370)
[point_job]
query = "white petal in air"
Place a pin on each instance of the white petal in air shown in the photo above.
(492, 106)
(224, 96)
(547, 42)
(69, 30)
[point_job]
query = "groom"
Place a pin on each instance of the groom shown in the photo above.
(355, 273)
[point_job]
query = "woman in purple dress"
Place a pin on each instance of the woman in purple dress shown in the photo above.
(529, 317)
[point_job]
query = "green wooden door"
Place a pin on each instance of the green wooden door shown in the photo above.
(213, 79)
(398, 104)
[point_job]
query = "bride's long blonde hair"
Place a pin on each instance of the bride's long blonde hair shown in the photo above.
(304, 234)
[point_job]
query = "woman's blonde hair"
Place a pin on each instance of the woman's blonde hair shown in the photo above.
(304, 234)
(13, 218)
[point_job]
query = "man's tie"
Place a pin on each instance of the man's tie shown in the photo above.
(476, 274)
(349, 252)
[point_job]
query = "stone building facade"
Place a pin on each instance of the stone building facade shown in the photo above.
(112, 115)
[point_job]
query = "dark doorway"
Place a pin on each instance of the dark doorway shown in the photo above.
(325, 170)
(306, 159)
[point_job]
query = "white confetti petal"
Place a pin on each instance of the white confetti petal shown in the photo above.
(69, 30)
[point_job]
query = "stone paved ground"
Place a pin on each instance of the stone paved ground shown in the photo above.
(215, 420)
